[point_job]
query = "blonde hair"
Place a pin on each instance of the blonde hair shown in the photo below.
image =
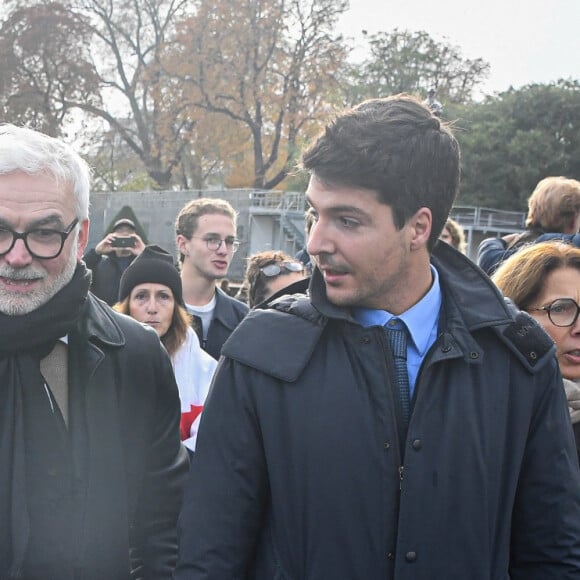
(456, 233)
(554, 204)
(188, 217)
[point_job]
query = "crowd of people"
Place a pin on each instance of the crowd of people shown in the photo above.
(375, 407)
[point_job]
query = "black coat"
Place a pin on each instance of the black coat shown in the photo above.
(300, 473)
(130, 462)
(107, 272)
(227, 314)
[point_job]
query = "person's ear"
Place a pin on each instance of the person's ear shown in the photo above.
(82, 238)
(181, 242)
(420, 226)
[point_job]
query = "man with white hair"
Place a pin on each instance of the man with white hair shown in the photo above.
(91, 464)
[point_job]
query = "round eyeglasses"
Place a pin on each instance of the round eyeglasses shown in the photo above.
(275, 269)
(562, 312)
(215, 243)
(41, 243)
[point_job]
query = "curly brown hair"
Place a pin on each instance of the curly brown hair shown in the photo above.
(255, 281)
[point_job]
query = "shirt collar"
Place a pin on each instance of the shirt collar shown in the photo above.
(419, 319)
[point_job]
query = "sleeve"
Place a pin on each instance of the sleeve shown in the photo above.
(91, 259)
(154, 531)
(490, 254)
(546, 519)
(227, 490)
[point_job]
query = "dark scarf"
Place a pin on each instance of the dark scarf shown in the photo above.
(24, 341)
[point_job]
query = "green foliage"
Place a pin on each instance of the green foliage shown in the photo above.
(403, 61)
(173, 92)
(511, 141)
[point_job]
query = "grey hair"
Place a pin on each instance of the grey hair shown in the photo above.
(31, 152)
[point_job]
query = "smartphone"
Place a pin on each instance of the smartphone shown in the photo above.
(123, 242)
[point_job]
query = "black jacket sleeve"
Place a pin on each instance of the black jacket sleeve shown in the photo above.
(228, 488)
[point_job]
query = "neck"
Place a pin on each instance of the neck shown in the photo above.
(411, 288)
(197, 290)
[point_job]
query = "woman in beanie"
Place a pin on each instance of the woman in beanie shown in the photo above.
(150, 292)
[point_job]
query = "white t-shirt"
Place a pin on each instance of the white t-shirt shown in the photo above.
(204, 312)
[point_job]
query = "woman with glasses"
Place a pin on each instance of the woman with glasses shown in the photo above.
(150, 292)
(268, 272)
(544, 280)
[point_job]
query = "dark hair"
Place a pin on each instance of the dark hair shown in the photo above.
(396, 147)
(177, 332)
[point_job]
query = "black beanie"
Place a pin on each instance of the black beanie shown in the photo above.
(153, 266)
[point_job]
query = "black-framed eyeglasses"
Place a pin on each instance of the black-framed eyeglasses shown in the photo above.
(275, 269)
(562, 312)
(41, 243)
(214, 243)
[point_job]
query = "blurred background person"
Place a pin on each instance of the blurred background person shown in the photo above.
(150, 292)
(269, 272)
(544, 280)
(303, 255)
(453, 235)
(432, 102)
(553, 213)
(111, 257)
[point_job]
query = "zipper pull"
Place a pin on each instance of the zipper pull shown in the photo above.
(401, 471)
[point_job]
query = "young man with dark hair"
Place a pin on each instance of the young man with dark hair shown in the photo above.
(399, 420)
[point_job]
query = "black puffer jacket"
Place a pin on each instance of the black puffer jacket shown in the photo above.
(301, 474)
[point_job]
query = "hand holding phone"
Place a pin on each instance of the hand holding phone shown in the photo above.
(123, 242)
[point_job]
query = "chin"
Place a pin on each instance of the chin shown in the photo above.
(342, 299)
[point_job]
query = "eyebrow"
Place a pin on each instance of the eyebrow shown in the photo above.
(53, 219)
(352, 209)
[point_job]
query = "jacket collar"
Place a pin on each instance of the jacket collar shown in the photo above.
(100, 323)
(224, 310)
(470, 298)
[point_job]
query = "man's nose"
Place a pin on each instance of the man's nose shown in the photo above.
(18, 256)
(319, 241)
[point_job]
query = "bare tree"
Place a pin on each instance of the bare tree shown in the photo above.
(130, 37)
(45, 65)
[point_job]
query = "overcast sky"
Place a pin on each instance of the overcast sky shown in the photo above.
(524, 41)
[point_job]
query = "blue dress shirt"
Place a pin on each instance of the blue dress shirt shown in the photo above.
(421, 321)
